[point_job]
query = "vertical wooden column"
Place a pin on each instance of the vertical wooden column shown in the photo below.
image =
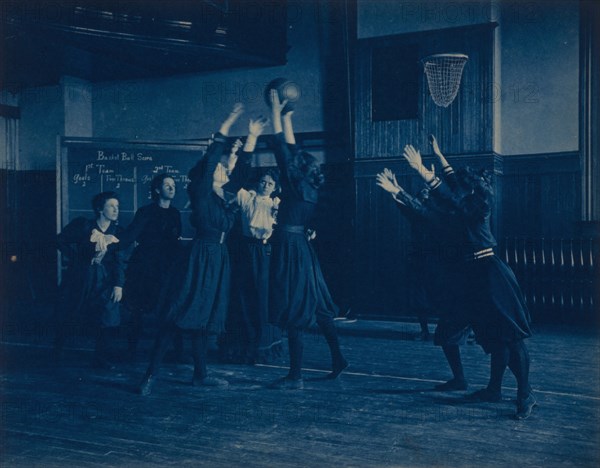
(589, 84)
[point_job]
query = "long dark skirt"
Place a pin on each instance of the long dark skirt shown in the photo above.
(495, 303)
(298, 291)
(250, 337)
(145, 275)
(196, 296)
(84, 298)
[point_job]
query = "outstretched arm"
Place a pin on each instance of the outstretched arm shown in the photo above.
(437, 151)
(241, 173)
(255, 129)
(413, 156)
(235, 113)
(446, 167)
(282, 152)
(206, 167)
(410, 206)
(288, 130)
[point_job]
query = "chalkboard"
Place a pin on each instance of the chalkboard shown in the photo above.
(86, 167)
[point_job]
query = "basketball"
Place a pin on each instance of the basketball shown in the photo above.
(286, 89)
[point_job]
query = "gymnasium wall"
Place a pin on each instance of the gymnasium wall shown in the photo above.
(526, 94)
(178, 108)
(536, 85)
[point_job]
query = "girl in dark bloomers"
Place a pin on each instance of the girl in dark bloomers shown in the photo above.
(197, 294)
(156, 228)
(298, 293)
(440, 238)
(492, 297)
(92, 285)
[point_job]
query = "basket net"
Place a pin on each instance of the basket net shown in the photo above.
(444, 72)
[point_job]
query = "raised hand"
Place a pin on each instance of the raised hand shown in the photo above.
(437, 151)
(237, 144)
(434, 145)
(387, 181)
(238, 109)
(413, 156)
(276, 105)
(392, 177)
(257, 127)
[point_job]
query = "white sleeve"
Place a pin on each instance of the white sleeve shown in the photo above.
(243, 197)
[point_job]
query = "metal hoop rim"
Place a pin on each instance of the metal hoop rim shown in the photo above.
(449, 55)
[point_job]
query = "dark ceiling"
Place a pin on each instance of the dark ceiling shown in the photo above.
(128, 39)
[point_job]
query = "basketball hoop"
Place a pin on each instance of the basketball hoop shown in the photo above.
(444, 72)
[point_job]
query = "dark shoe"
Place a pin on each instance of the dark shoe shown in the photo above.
(145, 387)
(286, 383)
(346, 317)
(337, 370)
(102, 364)
(525, 406)
(485, 395)
(452, 385)
(209, 382)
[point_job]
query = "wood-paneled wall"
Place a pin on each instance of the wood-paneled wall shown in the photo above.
(466, 126)
(28, 257)
(383, 237)
(536, 220)
(538, 197)
(542, 195)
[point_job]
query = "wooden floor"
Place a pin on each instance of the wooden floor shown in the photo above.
(382, 412)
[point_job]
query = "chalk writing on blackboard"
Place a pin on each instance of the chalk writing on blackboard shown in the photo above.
(91, 166)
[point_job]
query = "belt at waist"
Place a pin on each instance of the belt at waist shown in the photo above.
(254, 240)
(489, 252)
(294, 228)
(212, 236)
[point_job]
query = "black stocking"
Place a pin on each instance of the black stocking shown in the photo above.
(296, 346)
(199, 352)
(328, 329)
(452, 353)
(519, 366)
(499, 362)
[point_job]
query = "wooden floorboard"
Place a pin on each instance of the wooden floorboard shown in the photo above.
(382, 412)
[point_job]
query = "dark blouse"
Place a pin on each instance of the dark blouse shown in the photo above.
(471, 210)
(298, 197)
(156, 231)
(74, 244)
(155, 227)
